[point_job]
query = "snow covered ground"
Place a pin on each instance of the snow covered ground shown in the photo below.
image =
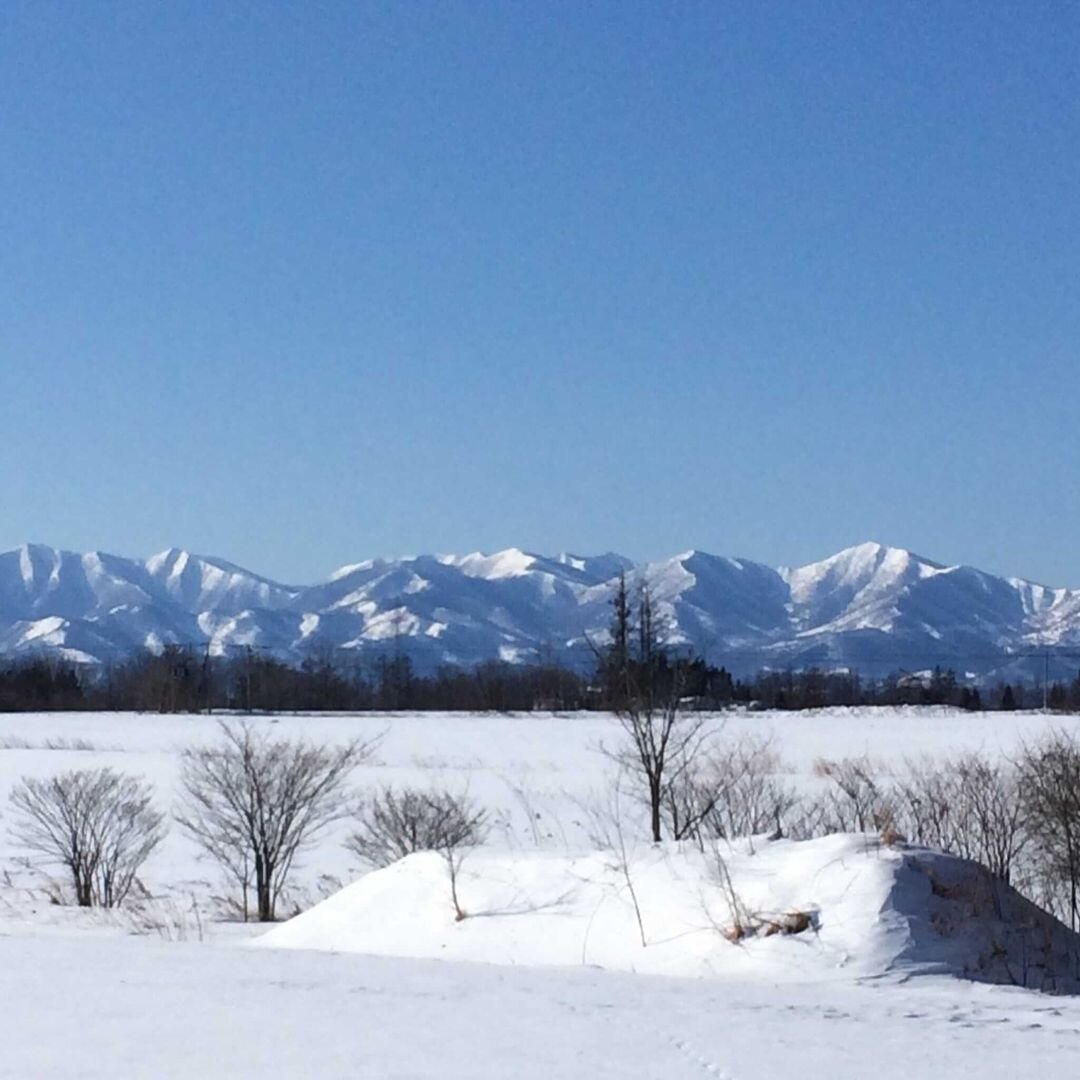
(556, 761)
(835, 908)
(177, 993)
(95, 1007)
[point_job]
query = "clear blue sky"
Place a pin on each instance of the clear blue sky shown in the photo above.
(299, 284)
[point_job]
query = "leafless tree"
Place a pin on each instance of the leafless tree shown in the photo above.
(992, 804)
(856, 799)
(253, 802)
(968, 806)
(728, 790)
(99, 824)
(927, 808)
(465, 827)
(646, 686)
(690, 794)
(392, 824)
(1050, 790)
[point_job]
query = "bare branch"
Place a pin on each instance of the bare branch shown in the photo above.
(254, 802)
(392, 824)
(99, 824)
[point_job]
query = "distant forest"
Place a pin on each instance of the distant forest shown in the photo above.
(187, 680)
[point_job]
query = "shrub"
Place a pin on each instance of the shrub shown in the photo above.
(393, 824)
(253, 802)
(97, 823)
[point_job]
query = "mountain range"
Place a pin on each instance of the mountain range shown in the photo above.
(871, 607)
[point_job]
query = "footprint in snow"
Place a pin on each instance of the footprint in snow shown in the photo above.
(710, 1068)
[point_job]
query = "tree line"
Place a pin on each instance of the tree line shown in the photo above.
(181, 679)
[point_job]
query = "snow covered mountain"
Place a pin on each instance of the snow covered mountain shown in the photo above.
(870, 606)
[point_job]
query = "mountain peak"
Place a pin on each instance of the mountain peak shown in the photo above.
(169, 560)
(869, 557)
(512, 562)
(859, 606)
(868, 551)
(39, 552)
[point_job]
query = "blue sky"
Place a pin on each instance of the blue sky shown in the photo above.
(300, 284)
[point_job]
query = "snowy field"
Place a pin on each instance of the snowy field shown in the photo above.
(101, 1008)
(556, 761)
(96, 994)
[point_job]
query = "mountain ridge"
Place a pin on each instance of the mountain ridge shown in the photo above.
(868, 606)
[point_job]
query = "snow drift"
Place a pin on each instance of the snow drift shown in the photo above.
(837, 907)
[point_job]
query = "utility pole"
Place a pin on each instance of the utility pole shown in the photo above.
(206, 679)
(1046, 681)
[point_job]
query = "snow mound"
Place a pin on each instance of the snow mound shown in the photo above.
(837, 907)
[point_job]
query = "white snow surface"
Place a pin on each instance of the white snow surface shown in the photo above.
(547, 977)
(864, 910)
(98, 1007)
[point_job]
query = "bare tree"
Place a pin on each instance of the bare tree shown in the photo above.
(968, 806)
(691, 793)
(253, 802)
(1050, 789)
(97, 823)
(392, 824)
(464, 827)
(856, 800)
(995, 811)
(645, 686)
(927, 806)
(728, 790)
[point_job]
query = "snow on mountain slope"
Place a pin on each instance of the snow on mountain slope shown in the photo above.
(720, 600)
(39, 581)
(199, 584)
(504, 564)
(855, 589)
(870, 606)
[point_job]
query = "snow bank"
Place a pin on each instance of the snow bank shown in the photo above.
(864, 911)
